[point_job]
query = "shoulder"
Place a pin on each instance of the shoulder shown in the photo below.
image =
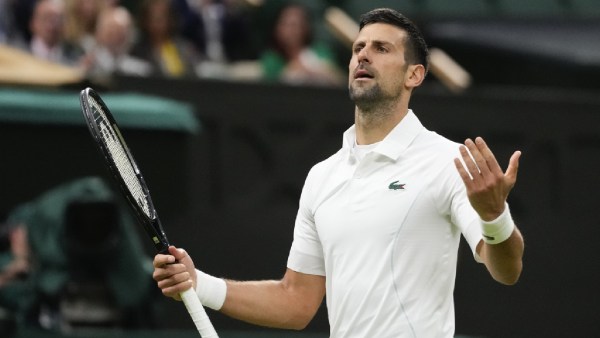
(435, 146)
(272, 64)
(324, 174)
(322, 169)
(435, 155)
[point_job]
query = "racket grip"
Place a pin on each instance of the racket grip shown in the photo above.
(198, 314)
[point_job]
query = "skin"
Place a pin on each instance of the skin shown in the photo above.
(46, 22)
(291, 33)
(487, 189)
(158, 22)
(380, 82)
(113, 30)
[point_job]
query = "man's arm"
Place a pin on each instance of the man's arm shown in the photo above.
(488, 188)
(289, 303)
(504, 260)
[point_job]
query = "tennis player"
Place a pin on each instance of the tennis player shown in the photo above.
(379, 222)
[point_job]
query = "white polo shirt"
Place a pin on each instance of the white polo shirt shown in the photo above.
(385, 232)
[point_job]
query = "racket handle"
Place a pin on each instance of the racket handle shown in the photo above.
(198, 314)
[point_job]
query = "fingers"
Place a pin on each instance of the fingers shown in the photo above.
(179, 254)
(172, 280)
(171, 272)
(168, 270)
(463, 172)
(175, 284)
(161, 260)
(484, 157)
(480, 160)
(487, 185)
(480, 167)
(470, 167)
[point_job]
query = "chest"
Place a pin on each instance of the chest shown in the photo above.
(370, 201)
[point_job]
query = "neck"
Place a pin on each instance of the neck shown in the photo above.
(373, 125)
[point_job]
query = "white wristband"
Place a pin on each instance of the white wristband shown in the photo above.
(498, 230)
(210, 290)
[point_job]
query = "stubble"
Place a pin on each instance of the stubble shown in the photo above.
(372, 103)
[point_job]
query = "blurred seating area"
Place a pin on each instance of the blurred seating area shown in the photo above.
(71, 260)
(250, 70)
(535, 42)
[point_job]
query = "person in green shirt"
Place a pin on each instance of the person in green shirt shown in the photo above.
(293, 57)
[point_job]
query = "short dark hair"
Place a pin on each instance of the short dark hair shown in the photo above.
(416, 47)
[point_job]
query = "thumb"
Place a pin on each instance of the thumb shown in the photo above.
(179, 253)
(513, 168)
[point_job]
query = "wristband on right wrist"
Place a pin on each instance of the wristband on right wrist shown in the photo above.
(499, 229)
(210, 290)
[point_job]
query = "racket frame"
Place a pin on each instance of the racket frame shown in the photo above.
(150, 222)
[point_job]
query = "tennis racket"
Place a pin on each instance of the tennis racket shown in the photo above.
(121, 164)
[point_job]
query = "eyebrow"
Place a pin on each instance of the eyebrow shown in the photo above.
(374, 42)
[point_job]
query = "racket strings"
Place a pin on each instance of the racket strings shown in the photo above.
(120, 158)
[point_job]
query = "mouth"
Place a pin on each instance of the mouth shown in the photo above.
(362, 74)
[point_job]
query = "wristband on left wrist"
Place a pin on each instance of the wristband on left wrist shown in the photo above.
(499, 229)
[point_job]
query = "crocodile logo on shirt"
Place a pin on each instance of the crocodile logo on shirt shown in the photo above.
(396, 185)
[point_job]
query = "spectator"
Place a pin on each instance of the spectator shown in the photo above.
(8, 29)
(18, 13)
(113, 39)
(220, 30)
(81, 19)
(47, 34)
(168, 53)
(293, 57)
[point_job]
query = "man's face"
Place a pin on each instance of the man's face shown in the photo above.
(377, 67)
(47, 22)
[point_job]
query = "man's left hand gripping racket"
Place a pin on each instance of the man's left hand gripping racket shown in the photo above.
(119, 160)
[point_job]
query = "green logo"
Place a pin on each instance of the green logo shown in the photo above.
(396, 186)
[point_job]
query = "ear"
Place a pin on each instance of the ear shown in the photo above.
(415, 74)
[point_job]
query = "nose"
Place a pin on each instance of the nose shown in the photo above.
(363, 56)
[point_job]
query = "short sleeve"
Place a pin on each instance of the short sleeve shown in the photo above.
(306, 253)
(466, 218)
(453, 195)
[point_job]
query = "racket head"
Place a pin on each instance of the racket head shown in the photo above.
(120, 162)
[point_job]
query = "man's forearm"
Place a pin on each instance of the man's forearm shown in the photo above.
(504, 260)
(280, 304)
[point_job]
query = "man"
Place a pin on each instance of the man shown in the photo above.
(114, 36)
(47, 34)
(379, 222)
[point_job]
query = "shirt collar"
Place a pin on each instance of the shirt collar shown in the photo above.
(394, 143)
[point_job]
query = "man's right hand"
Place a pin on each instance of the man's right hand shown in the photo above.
(174, 273)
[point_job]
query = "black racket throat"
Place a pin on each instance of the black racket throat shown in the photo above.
(122, 166)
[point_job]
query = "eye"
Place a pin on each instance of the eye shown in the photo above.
(357, 49)
(382, 49)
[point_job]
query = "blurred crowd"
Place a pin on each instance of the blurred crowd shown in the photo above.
(173, 38)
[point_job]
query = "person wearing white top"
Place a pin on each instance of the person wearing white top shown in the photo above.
(384, 228)
(379, 222)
